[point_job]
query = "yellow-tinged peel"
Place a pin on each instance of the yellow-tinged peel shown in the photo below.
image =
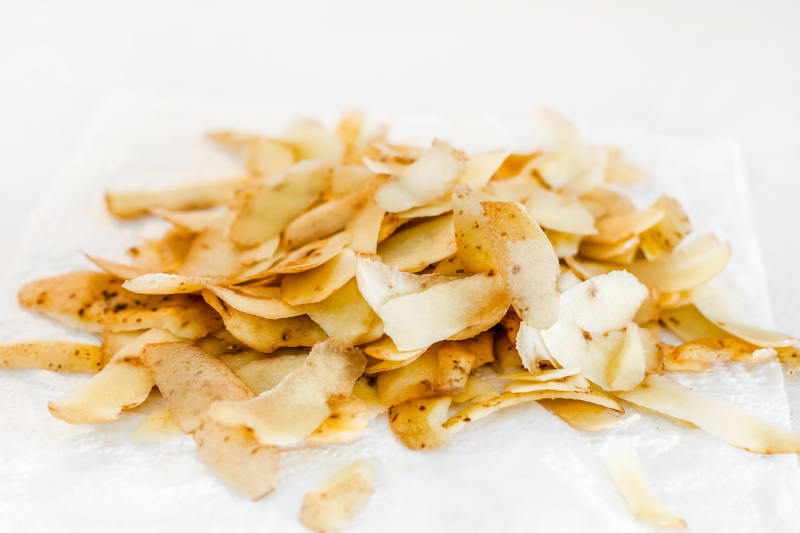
(264, 334)
(690, 324)
(264, 302)
(337, 501)
(668, 232)
(348, 421)
(312, 141)
(266, 157)
(559, 212)
(414, 248)
(268, 206)
(388, 364)
(59, 356)
(182, 198)
(123, 383)
(587, 416)
(423, 211)
(325, 219)
(425, 181)
(476, 390)
(621, 252)
(544, 375)
(642, 501)
(726, 422)
(192, 221)
(295, 407)
(312, 255)
(568, 384)
(119, 270)
(263, 374)
(483, 409)
(386, 350)
(96, 302)
(365, 227)
(616, 228)
(165, 284)
(414, 321)
(157, 426)
(481, 167)
(312, 286)
(346, 316)
(418, 423)
(757, 336)
(473, 234)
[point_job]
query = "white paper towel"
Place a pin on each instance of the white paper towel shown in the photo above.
(520, 470)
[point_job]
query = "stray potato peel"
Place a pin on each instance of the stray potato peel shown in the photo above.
(185, 198)
(93, 301)
(629, 478)
(52, 355)
(336, 502)
(726, 422)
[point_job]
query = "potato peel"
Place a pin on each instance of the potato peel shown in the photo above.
(336, 502)
(330, 370)
(726, 422)
(629, 478)
(474, 412)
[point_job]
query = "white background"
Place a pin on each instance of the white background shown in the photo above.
(729, 68)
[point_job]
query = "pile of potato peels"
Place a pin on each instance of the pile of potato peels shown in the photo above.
(347, 276)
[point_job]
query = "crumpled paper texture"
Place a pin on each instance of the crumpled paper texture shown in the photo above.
(520, 470)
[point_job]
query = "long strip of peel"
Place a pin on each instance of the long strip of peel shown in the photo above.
(726, 422)
(629, 478)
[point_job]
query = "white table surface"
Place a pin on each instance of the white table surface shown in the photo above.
(681, 67)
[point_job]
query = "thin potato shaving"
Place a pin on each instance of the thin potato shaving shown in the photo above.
(628, 475)
(483, 409)
(188, 197)
(336, 502)
(264, 334)
(726, 422)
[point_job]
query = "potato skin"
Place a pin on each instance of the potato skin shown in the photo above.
(96, 301)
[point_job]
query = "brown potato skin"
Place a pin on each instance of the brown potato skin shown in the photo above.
(191, 380)
(96, 301)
